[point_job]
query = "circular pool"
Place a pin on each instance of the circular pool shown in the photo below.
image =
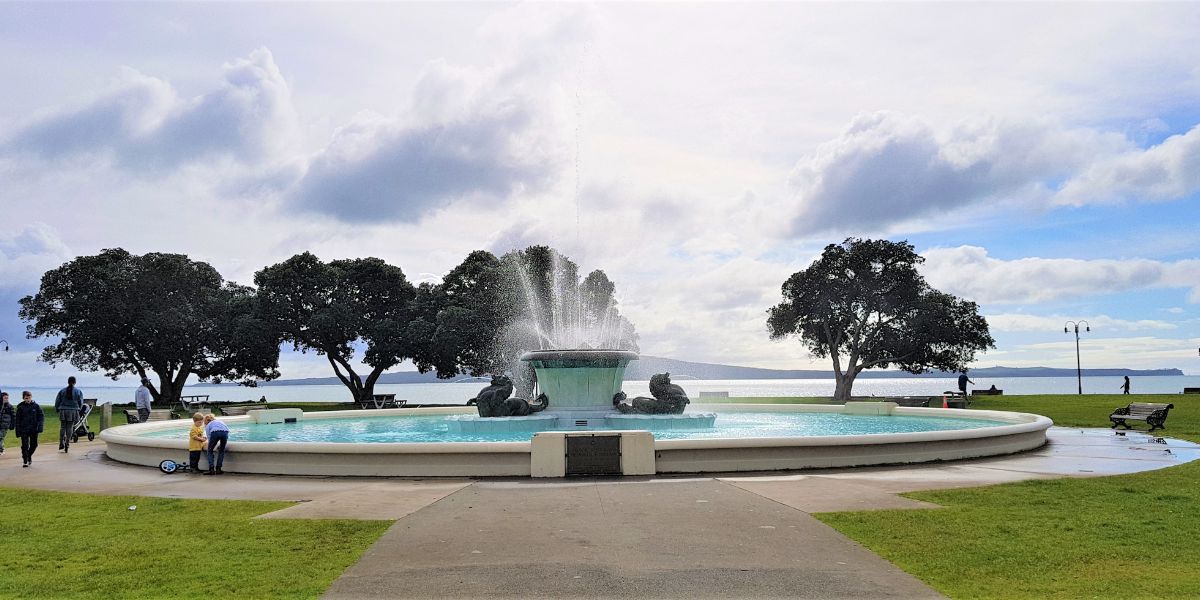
(420, 442)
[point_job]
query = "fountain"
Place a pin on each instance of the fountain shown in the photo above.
(560, 411)
(576, 386)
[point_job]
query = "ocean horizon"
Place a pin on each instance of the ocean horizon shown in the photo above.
(459, 393)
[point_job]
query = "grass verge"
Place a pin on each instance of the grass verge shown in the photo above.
(62, 545)
(1127, 536)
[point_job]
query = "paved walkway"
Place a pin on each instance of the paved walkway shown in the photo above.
(734, 536)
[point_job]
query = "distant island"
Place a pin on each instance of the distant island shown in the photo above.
(642, 369)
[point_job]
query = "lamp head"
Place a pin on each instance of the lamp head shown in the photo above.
(1065, 330)
(1087, 328)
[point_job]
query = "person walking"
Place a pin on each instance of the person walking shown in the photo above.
(217, 434)
(142, 401)
(68, 403)
(8, 417)
(1125, 386)
(29, 422)
(962, 383)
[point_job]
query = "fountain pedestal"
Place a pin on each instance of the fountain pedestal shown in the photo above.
(580, 381)
(581, 385)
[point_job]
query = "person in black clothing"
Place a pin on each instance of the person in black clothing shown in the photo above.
(962, 383)
(67, 404)
(29, 423)
(1125, 386)
(7, 416)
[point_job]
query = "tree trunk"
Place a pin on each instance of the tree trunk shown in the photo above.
(168, 394)
(843, 387)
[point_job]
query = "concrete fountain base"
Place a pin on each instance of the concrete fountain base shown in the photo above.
(1016, 432)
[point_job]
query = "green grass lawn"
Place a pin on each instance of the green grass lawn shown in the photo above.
(1128, 536)
(60, 545)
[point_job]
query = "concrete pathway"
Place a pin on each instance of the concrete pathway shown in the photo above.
(657, 539)
(711, 536)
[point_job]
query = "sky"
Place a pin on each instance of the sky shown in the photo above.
(1043, 158)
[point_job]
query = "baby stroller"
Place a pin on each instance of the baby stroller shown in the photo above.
(81, 426)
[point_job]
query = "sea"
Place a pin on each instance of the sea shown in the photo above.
(459, 393)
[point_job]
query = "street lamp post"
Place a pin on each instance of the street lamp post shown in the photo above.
(1067, 329)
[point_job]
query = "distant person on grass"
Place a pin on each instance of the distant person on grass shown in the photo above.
(217, 434)
(142, 400)
(68, 403)
(29, 422)
(8, 417)
(196, 441)
(962, 383)
(1125, 386)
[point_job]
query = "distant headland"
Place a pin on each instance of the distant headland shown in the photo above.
(680, 369)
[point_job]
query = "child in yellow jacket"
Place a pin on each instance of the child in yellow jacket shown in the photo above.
(196, 442)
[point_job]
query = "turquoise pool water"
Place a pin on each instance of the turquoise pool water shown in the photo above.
(732, 425)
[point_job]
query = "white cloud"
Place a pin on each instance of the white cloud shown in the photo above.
(29, 252)
(887, 168)
(474, 134)
(1010, 322)
(143, 126)
(1167, 171)
(968, 271)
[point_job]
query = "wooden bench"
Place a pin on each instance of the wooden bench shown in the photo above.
(988, 392)
(1152, 413)
(382, 401)
(1194, 390)
(156, 414)
(193, 404)
(954, 399)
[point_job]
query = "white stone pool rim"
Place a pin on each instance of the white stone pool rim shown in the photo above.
(1018, 432)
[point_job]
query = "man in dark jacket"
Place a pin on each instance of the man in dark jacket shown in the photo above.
(29, 422)
(7, 415)
(68, 403)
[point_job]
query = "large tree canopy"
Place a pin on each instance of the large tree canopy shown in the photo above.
(332, 307)
(864, 304)
(461, 317)
(120, 313)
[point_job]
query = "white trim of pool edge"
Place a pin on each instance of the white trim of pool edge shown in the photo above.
(1022, 432)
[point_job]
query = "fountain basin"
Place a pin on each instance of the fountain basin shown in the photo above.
(1006, 433)
(579, 380)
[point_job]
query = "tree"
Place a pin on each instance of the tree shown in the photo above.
(460, 318)
(331, 307)
(121, 313)
(864, 304)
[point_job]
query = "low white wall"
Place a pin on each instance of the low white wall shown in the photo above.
(1020, 432)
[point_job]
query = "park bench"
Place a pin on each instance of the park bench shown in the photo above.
(382, 401)
(954, 399)
(1152, 413)
(1191, 390)
(988, 392)
(191, 404)
(156, 414)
